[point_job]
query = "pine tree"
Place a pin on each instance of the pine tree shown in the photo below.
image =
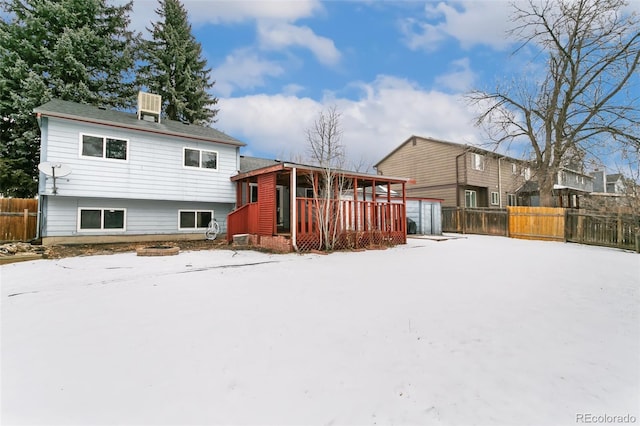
(174, 68)
(74, 50)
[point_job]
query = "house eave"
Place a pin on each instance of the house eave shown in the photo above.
(40, 114)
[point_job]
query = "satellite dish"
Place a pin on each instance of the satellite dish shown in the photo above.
(55, 170)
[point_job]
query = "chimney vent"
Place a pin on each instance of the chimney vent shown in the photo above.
(149, 106)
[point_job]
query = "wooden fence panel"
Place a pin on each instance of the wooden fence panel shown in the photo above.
(18, 219)
(474, 221)
(617, 230)
(537, 223)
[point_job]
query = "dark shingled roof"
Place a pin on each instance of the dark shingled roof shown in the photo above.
(248, 164)
(93, 114)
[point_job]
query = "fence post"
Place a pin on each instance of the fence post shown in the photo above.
(620, 233)
(25, 224)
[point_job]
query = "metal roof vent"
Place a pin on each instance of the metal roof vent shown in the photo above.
(149, 106)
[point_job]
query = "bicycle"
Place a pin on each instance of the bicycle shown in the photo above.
(213, 229)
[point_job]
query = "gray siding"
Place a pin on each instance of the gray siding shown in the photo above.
(154, 169)
(143, 217)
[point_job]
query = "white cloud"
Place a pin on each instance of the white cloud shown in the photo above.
(243, 10)
(470, 22)
(244, 69)
(460, 79)
(228, 11)
(388, 111)
(279, 36)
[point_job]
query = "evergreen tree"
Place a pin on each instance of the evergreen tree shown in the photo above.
(74, 50)
(174, 68)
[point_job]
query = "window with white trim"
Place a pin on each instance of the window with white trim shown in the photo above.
(477, 161)
(514, 169)
(103, 147)
(200, 158)
(194, 219)
(101, 219)
(253, 192)
(512, 200)
(495, 198)
(470, 198)
(526, 172)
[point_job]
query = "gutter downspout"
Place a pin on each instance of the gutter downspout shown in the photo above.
(294, 209)
(499, 184)
(38, 220)
(458, 178)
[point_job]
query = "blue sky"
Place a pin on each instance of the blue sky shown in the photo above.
(393, 69)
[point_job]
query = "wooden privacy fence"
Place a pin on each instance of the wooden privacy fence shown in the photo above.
(547, 223)
(536, 223)
(614, 230)
(18, 219)
(474, 221)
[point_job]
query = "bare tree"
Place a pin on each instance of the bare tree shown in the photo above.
(585, 102)
(326, 150)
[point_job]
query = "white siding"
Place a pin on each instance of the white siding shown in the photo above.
(154, 170)
(60, 216)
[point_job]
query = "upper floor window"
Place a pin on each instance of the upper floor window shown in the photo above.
(477, 161)
(103, 147)
(200, 158)
(514, 169)
(526, 172)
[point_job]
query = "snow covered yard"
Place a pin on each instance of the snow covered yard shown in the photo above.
(476, 330)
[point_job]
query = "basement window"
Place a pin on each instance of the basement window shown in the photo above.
(101, 219)
(194, 219)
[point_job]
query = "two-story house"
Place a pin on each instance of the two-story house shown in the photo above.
(133, 177)
(460, 175)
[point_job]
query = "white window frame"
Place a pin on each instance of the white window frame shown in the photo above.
(195, 212)
(526, 172)
(104, 148)
(495, 198)
(253, 187)
(200, 150)
(514, 169)
(512, 200)
(475, 198)
(102, 228)
(477, 161)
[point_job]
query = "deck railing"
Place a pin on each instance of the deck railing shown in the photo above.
(355, 224)
(243, 221)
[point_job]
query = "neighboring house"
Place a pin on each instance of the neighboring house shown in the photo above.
(133, 177)
(459, 175)
(277, 208)
(570, 186)
(616, 184)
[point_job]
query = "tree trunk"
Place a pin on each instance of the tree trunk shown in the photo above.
(545, 185)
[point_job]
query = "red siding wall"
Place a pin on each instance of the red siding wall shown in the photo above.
(267, 204)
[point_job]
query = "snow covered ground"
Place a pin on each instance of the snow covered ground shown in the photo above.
(476, 330)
